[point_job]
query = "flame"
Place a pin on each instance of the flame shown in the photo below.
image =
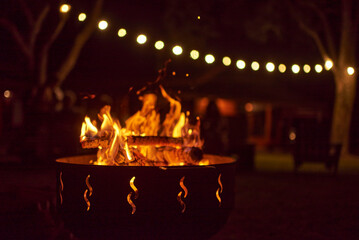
(89, 190)
(219, 190)
(179, 199)
(88, 129)
(144, 141)
(61, 188)
(135, 190)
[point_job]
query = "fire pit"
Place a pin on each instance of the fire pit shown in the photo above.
(146, 202)
(149, 179)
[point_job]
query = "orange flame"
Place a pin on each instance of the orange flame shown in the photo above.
(219, 190)
(89, 190)
(61, 188)
(166, 143)
(135, 190)
(179, 199)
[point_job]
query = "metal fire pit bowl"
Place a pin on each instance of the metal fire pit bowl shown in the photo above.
(174, 202)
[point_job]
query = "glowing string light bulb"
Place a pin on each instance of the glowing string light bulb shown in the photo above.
(282, 68)
(270, 67)
(159, 45)
(64, 8)
(209, 58)
(122, 32)
(255, 66)
(306, 68)
(328, 65)
(82, 17)
(295, 68)
(226, 61)
(103, 24)
(177, 50)
(194, 54)
(350, 70)
(318, 68)
(141, 39)
(241, 64)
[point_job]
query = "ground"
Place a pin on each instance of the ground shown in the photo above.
(272, 202)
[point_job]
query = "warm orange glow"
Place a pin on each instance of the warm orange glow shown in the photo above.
(203, 162)
(292, 136)
(82, 17)
(226, 107)
(7, 94)
(64, 8)
(255, 66)
(219, 190)
(306, 68)
(183, 187)
(88, 129)
(103, 24)
(248, 107)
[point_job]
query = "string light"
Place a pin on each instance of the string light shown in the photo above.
(255, 66)
(209, 58)
(64, 8)
(306, 68)
(270, 67)
(328, 65)
(7, 93)
(350, 70)
(82, 17)
(141, 39)
(194, 54)
(159, 45)
(122, 32)
(103, 24)
(295, 68)
(282, 68)
(177, 50)
(226, 61)
(318, 68)
(241, 64)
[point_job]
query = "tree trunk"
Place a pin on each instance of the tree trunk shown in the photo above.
(343, 107)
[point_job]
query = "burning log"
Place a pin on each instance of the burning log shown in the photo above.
(95, 142)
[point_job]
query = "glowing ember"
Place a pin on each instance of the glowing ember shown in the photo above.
(145, 141)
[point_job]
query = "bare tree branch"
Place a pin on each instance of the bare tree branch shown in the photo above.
(327, 29)
(37, 26)
(28, 14)
(347, 48)
(313, 34)
(14, 31)
(80, 41)
(43, 57)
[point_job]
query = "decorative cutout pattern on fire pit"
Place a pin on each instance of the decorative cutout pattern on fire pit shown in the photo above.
(219, 190)
(89, 190)
(61, 188)
(135, 190)
(179, 199)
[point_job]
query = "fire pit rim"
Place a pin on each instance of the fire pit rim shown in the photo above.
(224, 161)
